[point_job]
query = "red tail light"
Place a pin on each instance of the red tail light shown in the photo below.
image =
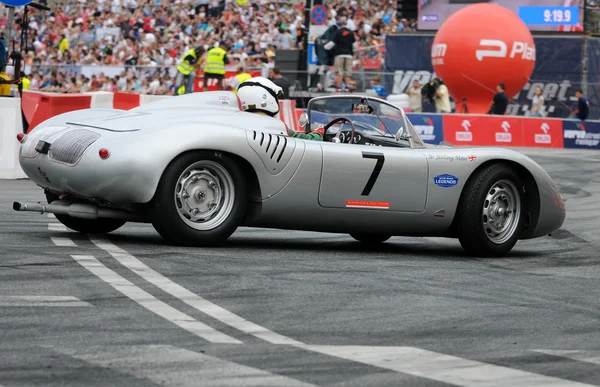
(104, 153)
(21, 137)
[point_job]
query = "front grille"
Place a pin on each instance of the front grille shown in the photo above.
(69, 147)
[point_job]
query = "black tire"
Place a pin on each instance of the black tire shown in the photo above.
(86, 226)
(370, 238)
(165, 213)
(479, 199)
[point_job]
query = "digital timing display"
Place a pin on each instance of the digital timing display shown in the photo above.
(538, 15)
(543, 16)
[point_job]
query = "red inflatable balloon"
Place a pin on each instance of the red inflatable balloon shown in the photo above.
(478, 47)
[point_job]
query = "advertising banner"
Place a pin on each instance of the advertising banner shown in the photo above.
(558, 71)
(429, 126)
(542, 132)
(462, 129)
(581, 135)
(212, 83)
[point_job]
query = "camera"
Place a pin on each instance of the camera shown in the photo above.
(428, 91)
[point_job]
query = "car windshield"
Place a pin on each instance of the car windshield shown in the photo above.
(368, 115)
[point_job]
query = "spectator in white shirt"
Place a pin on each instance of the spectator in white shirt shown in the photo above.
(537, 103)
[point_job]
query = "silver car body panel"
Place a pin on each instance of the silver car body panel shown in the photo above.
(304, 185)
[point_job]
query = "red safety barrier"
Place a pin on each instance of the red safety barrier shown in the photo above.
(506, 131)
(287, 113)
(126, 101)
(51, 105)
(29, 104)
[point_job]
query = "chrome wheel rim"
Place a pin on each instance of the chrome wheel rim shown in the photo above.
(501, 211)
(204, 195)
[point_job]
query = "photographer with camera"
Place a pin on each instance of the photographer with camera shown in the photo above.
(437, 92)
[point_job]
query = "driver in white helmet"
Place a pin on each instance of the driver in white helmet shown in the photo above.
(261, 96)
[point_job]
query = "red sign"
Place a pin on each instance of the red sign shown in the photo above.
(212, 83)
(542, 133)
(462, 129)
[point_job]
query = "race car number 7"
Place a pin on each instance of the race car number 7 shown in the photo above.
(375, 174)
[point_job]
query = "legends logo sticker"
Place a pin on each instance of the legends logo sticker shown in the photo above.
(445, 180)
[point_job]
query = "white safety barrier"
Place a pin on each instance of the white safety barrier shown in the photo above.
(101, 99)
(11, 125)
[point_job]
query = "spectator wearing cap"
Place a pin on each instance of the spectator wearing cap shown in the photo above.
(186, 70)
(216, 61)
(344, 51)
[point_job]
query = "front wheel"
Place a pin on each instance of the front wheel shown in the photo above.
(200, 200)
(86, 226)
(491, 214)
(371, 238)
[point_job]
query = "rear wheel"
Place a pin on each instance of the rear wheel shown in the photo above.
(86, 226)
(491, 213)
(201, 199)
(370, 238)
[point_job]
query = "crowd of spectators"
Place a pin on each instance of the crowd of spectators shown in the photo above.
(156, 33)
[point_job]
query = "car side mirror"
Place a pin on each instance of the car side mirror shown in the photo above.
(303, 120)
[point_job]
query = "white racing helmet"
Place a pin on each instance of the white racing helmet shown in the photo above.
(259, 94)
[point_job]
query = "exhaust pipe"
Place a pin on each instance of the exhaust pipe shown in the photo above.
(77, 210)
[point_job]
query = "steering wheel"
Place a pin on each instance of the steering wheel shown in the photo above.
(339, 132)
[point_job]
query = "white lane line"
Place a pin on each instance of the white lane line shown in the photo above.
(56, 227)
(50, 215)
(62, 241)
(151, 303)
(592, 357)
(66, 301)
(441, 367)
(192, 299)
(173, 366)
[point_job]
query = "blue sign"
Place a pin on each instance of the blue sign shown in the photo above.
(445, 180)
(15, 3)
(581, 135)
(312, 54)
(318, 15)
(549, 16)
(429, 126)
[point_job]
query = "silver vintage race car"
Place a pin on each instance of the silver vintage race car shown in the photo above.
(197, 167)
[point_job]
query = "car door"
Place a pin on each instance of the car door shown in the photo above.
(373, 177)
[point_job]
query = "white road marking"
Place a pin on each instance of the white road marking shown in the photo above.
(67, 301)
(441, 367)
(173, 366)
(50, 215)
(151, 303)
(63, 241)
(584, 356)
(192, 299)
(56, 227)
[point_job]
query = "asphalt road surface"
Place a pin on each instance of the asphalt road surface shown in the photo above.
(283, 308)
